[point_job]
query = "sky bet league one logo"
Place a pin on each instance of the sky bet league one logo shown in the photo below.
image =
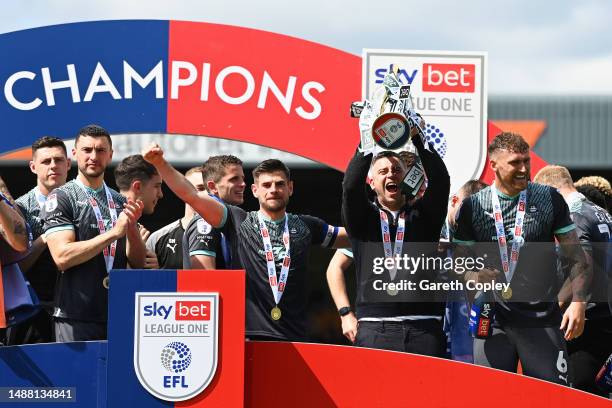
(176, 343)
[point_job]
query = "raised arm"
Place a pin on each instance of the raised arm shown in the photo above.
(436, 195)
(210, 209)
(354, 198)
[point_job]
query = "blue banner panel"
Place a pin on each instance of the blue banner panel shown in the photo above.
(56, 79)
(79, 367)
(124, 390)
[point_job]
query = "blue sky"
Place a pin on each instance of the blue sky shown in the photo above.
(534, 47)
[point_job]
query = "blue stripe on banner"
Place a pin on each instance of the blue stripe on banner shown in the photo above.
(124, 389)
(78, 366)
(60, 78)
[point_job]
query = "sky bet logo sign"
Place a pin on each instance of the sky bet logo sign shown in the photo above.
(176, 343)
(437, 77)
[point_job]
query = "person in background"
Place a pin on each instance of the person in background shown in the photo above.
(166, 244)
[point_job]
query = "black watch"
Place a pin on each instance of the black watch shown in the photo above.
(343, 311)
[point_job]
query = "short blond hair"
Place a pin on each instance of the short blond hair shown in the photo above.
(554, 176)
(196, 169)
(598, 182)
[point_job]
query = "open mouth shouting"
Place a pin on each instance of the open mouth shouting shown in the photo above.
(392, 187)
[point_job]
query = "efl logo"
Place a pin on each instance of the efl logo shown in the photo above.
(449, 77)
(175, 342)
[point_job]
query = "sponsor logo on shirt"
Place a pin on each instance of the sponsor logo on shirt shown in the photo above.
(51, 203)
(203, 226)
(172, 247)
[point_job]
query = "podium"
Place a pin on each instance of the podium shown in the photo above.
(256, 374)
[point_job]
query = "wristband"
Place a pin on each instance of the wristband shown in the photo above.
(343, 311)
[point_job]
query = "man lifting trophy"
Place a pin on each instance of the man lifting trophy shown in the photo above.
(386, 123)
(393, 224)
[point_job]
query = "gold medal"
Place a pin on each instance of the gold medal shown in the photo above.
(275, 313)
(507, 293)
(106, 282)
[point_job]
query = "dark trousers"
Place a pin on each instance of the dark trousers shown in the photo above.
(588, 353)
(37, 329)
(410, 336)
(541, 350)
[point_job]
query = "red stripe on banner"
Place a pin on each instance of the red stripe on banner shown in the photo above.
(231, 97)
(314, 375)
(227, 387)
(488, 175)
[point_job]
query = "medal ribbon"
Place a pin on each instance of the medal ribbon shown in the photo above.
(278, 287)
(109, 258)
(509, 265)
(386, 238)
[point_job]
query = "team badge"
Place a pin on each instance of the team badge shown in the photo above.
(51, 203)
(203, 226)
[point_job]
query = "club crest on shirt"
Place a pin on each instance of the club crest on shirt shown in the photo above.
(51, 203)
(203, 226)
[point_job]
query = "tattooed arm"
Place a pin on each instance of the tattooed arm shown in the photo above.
(12, 223)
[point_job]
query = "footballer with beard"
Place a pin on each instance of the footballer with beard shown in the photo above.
(271, 244)
(523, 219)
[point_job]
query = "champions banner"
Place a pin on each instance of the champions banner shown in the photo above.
(179, 77)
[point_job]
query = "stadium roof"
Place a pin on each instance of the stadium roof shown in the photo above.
(578, 129)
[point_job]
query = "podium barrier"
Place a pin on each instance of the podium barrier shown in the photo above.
(227, 386)
(262, 374)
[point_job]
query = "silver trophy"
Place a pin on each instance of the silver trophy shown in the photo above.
(386, 122)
